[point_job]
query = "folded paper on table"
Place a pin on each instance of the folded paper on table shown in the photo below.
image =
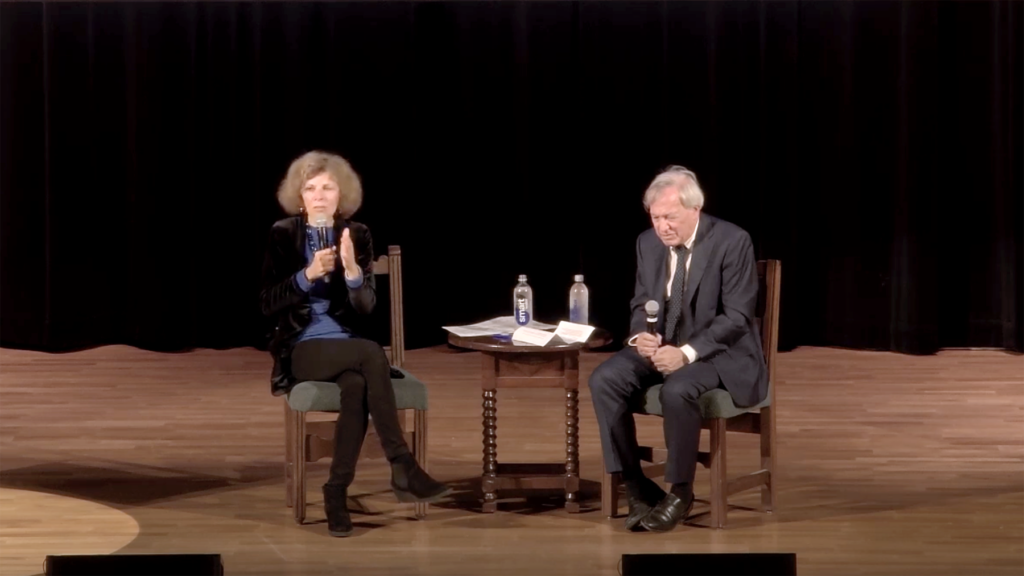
(499, 325)
(570, 332)
(531, 336)
(467, 332)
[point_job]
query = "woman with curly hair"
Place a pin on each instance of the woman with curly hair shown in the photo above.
(315, 302)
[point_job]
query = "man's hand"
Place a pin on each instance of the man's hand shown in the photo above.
(647, 344)
(348, 256)
(668, 359)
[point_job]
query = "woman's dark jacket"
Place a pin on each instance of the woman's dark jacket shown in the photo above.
(281, 298)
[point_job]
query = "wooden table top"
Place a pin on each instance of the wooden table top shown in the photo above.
(598, 339)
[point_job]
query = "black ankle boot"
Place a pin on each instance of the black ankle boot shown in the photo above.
(339, 523)
(412, 484)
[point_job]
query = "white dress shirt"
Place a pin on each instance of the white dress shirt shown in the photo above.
(688, 350)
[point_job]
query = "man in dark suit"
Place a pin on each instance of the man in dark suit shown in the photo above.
(702, 273)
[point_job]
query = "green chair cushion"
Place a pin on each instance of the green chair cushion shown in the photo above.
(410, 393)
(715, 403)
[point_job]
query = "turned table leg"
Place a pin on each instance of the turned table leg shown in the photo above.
(490, 476)
(572, 450)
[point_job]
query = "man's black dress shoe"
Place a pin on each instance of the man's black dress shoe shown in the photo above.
(650, 495)
(339, 523)
(669, 512)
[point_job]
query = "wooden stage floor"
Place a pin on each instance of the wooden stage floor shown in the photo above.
(889, 464)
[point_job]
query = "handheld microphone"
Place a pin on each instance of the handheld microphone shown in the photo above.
(652, 316)
(321, 234)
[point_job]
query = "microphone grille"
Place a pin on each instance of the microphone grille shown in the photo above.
(320, 221)
(652, 308)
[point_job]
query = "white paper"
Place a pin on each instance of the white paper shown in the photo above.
(499, 325)
(467, 332)
(570, 332)
(532, 336)
(507, 325)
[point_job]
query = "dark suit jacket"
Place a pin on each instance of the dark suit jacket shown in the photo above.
(721, 292)
(281, 299)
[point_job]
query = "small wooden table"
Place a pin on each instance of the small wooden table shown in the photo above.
(510, 365)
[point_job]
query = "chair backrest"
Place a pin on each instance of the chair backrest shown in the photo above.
(391, 266)
(769, 278)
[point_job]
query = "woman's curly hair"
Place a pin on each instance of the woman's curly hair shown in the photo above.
(311, 165)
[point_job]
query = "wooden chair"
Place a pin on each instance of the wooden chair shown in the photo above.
(309, 441)
(721, 416)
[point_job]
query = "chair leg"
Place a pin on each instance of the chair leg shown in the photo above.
(719, 483)
(420, 451)
(768, 457)
(299, 467)
(289, 455)
(610, 484)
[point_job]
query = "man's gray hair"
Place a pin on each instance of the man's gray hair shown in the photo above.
(682, 180)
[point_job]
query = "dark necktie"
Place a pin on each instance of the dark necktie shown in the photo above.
(675, 300)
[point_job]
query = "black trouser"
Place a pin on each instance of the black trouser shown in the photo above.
(626, 374)
(362, 372)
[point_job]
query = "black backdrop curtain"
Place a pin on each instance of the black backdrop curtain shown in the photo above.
(873, 147)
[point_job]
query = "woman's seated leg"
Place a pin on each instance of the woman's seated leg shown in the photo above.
(333, 360)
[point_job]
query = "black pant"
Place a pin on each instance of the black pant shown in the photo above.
(626, 374)
(361, 370)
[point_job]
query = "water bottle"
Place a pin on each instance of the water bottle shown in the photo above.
(522, 302)
(579, 301)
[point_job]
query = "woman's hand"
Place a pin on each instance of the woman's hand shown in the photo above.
(324, 262)
(348, 256)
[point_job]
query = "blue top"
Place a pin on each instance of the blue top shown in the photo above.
(321, 324)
